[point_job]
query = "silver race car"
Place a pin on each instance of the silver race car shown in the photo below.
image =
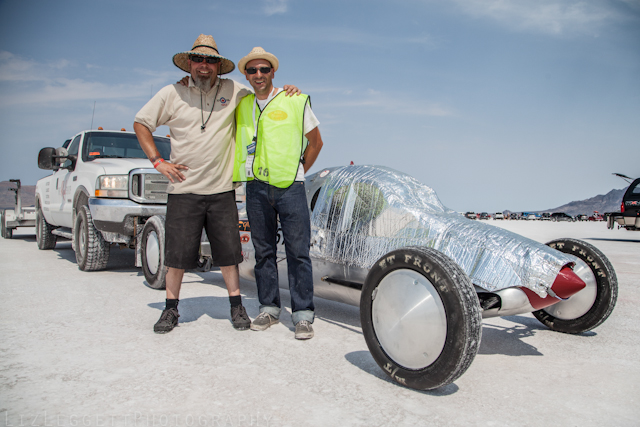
(424, 276)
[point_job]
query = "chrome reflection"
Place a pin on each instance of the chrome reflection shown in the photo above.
(579, 304)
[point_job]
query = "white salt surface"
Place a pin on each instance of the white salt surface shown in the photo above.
(77, 349)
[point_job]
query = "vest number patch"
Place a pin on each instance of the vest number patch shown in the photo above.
(263, 172)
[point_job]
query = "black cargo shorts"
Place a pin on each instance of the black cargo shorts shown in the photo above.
(187, 214)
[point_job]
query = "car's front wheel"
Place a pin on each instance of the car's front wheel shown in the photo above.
(44, 238)
(92, 251)
(420, 317)
(592, 305)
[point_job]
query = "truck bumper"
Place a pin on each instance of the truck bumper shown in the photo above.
(119, 215)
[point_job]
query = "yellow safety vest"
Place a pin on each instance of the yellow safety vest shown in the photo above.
(280, 140)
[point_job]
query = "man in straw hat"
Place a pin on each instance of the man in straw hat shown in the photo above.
(200, 116)
(277, 141)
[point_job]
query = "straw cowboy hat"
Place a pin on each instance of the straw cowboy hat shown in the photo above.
(258, 53)
(204, 46)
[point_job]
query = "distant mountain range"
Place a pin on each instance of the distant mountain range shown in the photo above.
(602, 203)
(609, 202)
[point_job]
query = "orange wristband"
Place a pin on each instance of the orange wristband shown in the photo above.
(157, 162)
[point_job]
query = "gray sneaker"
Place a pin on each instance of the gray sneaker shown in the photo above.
(263, 321)
(304, 331)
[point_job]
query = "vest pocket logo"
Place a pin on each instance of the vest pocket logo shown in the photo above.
(277, 115)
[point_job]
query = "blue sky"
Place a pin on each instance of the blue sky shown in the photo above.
(496, 104)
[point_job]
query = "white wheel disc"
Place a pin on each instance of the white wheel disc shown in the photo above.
(152, 252)
(409, 319)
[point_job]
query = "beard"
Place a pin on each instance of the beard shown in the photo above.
(204, 83)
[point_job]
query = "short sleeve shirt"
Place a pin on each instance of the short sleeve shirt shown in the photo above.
(207, 153)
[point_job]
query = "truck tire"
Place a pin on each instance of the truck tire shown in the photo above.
(92, 251)
(420, 317)
(44, 238)
(152, 251)
(7, 233)
(591, 306)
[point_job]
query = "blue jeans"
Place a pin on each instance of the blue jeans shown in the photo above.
(265, 203)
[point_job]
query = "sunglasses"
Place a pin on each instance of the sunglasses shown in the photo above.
(253, 70)
(208, 59)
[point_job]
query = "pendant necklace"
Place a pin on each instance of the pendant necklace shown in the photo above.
(204, 124)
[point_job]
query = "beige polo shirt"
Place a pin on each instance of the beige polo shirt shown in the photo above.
(208, 154)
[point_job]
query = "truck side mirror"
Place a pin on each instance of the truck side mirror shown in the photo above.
(45, 158)
(48, 157)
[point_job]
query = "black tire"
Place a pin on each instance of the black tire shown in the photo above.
(7, 233)
(453, 303)
(602, 282)
(152, 252)
(92, 251)
(44, 238)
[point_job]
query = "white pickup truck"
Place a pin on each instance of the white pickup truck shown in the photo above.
(104, 191)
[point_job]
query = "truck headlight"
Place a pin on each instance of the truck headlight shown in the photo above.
(112, 186)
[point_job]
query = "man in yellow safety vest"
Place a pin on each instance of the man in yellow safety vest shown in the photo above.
(277, 141)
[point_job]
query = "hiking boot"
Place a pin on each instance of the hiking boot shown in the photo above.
(239, 318)
(168, 321)
(263, 321)
(304, 331)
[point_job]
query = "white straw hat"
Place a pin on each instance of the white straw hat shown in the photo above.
(258, 53)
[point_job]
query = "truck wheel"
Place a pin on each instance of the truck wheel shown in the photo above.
(7, 233)
(92, 251)
(44, 238)
(591, 306)
(153, 252)
(420, 317)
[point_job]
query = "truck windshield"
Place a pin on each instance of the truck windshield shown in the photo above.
(119, 145)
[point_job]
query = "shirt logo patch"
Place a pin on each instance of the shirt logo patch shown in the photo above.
(277, 115)
(224, 102)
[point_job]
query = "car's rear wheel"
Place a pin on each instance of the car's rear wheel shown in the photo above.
(7, 233)
(420, 317)
(153, 252)
(591, 306)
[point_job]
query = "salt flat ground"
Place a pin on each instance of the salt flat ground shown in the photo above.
(78, 349)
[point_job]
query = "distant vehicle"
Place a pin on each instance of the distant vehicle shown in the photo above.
(513, 215)
(484, 215)
(471, 215)
(529, 216)
(498, 215)
(629, 215)
(19, 216)
(596, 216)
(561, 216)
(545, 217)
(581, 217)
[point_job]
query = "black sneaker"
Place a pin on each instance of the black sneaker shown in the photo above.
(168, 321)
(239, 318)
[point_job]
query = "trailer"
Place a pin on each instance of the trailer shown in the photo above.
(18, 216)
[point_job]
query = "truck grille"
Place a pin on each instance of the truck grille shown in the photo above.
(148, 186)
